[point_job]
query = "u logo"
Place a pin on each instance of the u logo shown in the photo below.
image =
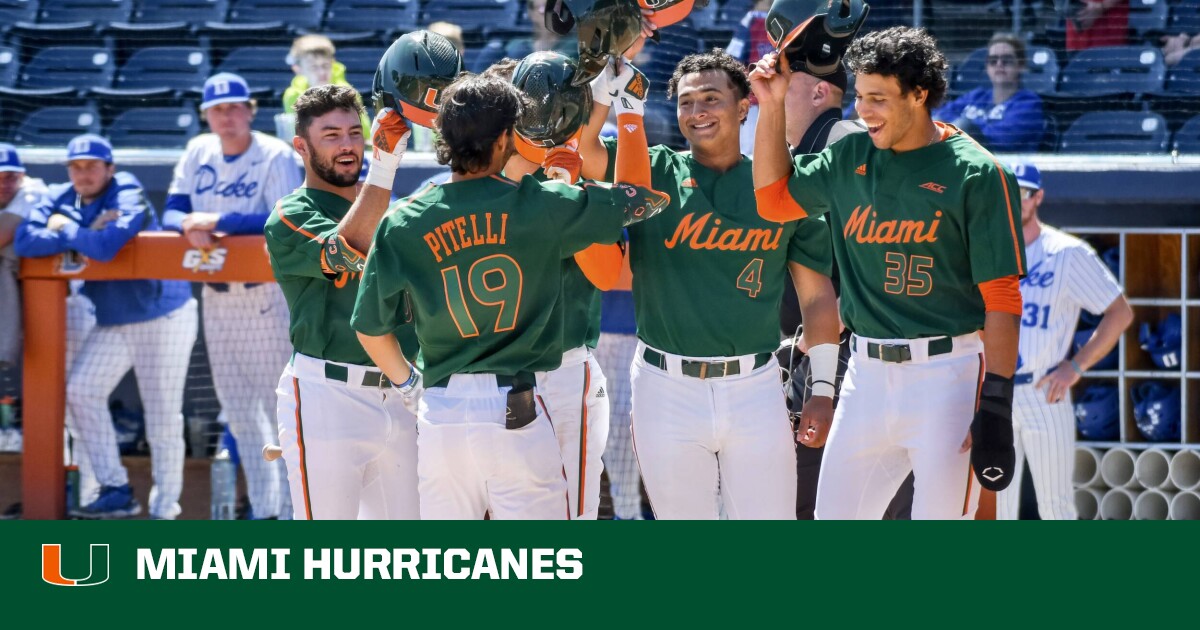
(430, 98)
(52, 566)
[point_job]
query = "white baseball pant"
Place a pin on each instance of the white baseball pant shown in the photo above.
(469, 464)
(342, 438)
(614, 352)
(897, 418)
(1045, 434)
(81, 319)
(576, 401)
(246, 333)
(158, 351)
(704, 445)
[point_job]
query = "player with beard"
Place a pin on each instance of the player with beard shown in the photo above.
(337, 469)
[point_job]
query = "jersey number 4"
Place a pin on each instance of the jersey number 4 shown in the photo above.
(750, 280)
(908, 275)
(494, 281)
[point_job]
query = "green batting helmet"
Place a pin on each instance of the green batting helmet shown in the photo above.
(814, 34)
(556, 109)
(412, 74)
(605, 27)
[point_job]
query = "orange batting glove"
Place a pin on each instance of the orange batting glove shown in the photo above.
(563, 163)
(389, 140)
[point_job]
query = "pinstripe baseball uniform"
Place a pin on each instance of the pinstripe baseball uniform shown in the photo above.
(245, 325)
(1065, 275)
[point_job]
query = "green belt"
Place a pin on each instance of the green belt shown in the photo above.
(706, 369)
(371, 378)
(502, 380)
(901, 352)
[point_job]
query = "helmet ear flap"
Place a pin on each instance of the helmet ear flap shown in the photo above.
(558, 17)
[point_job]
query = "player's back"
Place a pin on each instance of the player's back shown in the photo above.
(481, 262)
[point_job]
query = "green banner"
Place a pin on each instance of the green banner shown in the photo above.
(599, 573)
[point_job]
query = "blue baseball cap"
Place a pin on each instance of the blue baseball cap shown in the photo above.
(1028, 175)
(89, 147)
(224, 87)
(10, 162)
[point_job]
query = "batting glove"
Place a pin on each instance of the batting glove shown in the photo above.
(411, 390)
(639, 203)
(629, 89)
(600, 87)
(563, 163)
(389, 140)
(992, 454)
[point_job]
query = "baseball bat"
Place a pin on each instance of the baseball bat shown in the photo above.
(272, 452)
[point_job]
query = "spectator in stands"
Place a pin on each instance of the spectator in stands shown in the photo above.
(1097, 23)
(227, 182)
(1176, 46)
(147, 325)
(1004, 117)
(312, 59)
(540, 38)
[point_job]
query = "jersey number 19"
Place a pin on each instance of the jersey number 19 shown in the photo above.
(494, 281)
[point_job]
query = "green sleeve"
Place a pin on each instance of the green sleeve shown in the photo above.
(993, 217)
(296, 234)
(379, 308)
(580, 215)
(811, 245)
(811, 180)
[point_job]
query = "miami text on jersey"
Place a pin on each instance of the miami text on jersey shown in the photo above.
(893, 231)
(463, 232)
(730, 239)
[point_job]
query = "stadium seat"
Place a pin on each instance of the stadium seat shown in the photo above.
(473, 15)
(264, 120)
(263, 67)
(298, 14)
(75, 67)
(154, 127)
(1185, 17)
(94, 11)
(1113, 70)
(193, 12)
(57, 125)
(1184, 77)
(971, 73)
(1148, 18)
(8, 67)
(1187, 139)
(360, 68)
(379, 16)
(1041, 71)
(1050, 135)
(1116, 132)
(13, 11)
(155, 76)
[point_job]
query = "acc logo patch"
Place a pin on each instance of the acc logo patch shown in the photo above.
(198, 260)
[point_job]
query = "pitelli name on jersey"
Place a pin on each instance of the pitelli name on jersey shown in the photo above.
(459, 234)
(865, 229)
(690, 232)
(208, 181)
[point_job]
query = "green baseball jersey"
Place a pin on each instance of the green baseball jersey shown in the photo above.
(480, 261)
(914, 233)
(708, 273)
(319, 299)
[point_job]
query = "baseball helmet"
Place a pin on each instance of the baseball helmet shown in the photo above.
(555, 109)
(1097, 412)
(413, 73)
(604, 27)
(1164, 342)
(1109, 362)
(1156, 408)
(668, 12)
(814, 34)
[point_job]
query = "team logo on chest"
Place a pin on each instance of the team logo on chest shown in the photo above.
(697, 233)
(865, 227)
(207, 181)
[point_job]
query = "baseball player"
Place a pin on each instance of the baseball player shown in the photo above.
(478, 261)
(227, 182)
(149, 325)
(330, 377)
(924, 230)
(1065, 275)
(710, 425)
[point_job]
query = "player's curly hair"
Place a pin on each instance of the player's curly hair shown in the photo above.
(715, 59)
(318, 101)
(502, 69)
(909, 54)
(475, 112)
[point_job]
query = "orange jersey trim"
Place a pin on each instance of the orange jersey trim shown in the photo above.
(775, 202)
(1002, 295)
(293, 226)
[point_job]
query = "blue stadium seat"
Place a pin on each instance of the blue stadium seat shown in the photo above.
(263, 67)
(474, 15)
(94, 11)
(154, 127)
(8, 66)
(76, 67)
(1185, 17)
(57, 125)
(1113, 70)
(1116, 132)
(360, 68)
(385, 16)
(298, 14)
(1148, 17)
(165, 68)
(193, 12)
(264, 120)
(1184, 77)
(13, 11)
(1187, 139)
(1041, 70)
(971, 73)
(731, 12)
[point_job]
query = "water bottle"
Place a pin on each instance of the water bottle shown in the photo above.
(8, 412)
(224, 487)
(72, 489)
